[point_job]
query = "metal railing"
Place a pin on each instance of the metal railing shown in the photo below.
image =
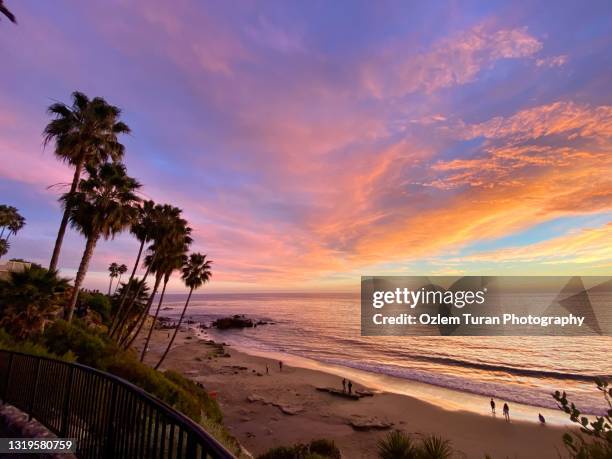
(108, 416)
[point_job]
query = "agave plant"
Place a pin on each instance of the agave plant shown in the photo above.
(397, 445)
(434, 447)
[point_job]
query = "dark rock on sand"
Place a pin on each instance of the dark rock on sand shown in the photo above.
(237, 321)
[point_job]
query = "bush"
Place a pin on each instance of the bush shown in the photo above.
(208, 404)
(325, 448)
(433, 447)
(99, 303)
(317, 449)
(27, 347)
(90, 348)
(396, 445)
(598, 430)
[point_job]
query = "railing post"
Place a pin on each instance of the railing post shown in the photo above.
(109, 448)
(66, 404)
(33, 399)
(191, 446)
(8, 378)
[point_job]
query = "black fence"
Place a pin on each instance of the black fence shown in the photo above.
(108, 416)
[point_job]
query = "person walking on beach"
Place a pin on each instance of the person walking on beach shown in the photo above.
(492, 406)
(267, 369)
(280, 365)
(350, 387)
(541, 418)
(343, 384)
(507, 412)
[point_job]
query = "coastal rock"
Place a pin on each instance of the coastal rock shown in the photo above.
(237, 321)
(289, 409)
(252, 398)
(369, 424)
(339, 393)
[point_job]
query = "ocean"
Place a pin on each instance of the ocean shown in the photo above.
(323, 331)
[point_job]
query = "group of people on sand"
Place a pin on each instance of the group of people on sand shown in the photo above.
(506, 410)
(347, 384)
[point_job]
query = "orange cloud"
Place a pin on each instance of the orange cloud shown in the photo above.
(586, 246)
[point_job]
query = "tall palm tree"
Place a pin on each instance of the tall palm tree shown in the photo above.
(85, 134)
(143, 228)
(121, 270)
(174, 257)
(104, 205)
(113, 271)
(196, 272)
(4, 10)
(171, 235)
(140, 293)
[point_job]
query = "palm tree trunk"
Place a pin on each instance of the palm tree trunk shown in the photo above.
(64, 223)
(117, 317)
(110, 285)
(126, 340)
(175, 331)
(89, 249)
(116, 325)
(161, 299)
(118, 283)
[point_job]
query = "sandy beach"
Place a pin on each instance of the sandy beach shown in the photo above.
(277, 408)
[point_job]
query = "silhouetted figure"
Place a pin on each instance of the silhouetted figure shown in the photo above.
(344, 385)
(350, 387)
(507, 412)
(280, 365)
(542, 420)
(492, 405)
(267, 369)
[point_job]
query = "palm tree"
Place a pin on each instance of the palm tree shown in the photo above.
(104, 205)
(171, 235)
(174, 256)
(144, 229)
(10, 219)
(196, 273)
(171, 240)
(4, 10)
(121, 270)
(138, 291)
(113, 271)
(85, 134)
(30, 299)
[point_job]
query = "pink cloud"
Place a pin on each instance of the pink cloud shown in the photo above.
(449, 62)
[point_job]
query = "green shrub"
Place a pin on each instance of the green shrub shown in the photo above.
(325, 448)
(397, 445)
(28, 347)
(208, 404)
(99, 303)
(317, 449)
(433, 447)
(89, 347)
(283, 452)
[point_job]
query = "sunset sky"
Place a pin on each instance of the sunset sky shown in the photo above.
(312, 142)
